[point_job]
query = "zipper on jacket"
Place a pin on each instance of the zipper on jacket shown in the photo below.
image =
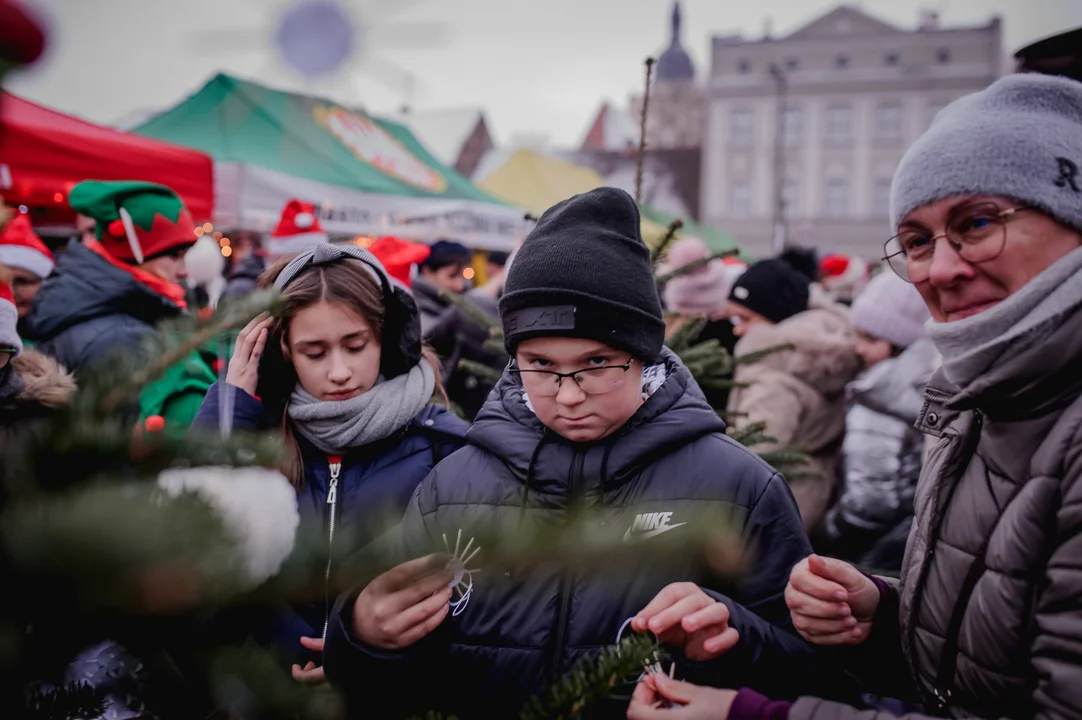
(575, 489)
(954, 470)
(334, 464)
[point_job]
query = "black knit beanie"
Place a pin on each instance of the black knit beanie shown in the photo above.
(773, 289)
(584, 272)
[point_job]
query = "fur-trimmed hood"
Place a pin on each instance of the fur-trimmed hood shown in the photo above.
(41, 380)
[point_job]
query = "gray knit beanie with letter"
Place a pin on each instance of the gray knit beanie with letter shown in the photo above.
(1019, 138)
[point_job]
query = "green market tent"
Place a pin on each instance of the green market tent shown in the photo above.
(366, 175)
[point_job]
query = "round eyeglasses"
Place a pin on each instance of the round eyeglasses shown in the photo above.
(592, 381)
(977, 232)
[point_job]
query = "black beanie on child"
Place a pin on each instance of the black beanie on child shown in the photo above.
(773, 289)
(584, 272)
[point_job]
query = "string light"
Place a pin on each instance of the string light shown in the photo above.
(217, 236)
(224, 242)
(58, 197)
(468, 273)
(207, 227)
(227, 251)
(199, 232)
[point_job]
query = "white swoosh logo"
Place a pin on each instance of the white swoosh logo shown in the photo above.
(652, 533)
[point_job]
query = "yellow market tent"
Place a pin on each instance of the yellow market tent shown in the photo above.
(536, 182)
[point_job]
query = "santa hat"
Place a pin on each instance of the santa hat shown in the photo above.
(843, 277)
(297, 230)
(9, 318)
(21, 248)
(400, 257)
(135, 221)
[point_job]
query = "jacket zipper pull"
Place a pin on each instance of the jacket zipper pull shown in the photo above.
(335, 466)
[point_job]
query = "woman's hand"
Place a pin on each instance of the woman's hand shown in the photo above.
(404, 604)
(684, 616)
(243, 370)
(689, 702)
(832, 603)
(310, 674)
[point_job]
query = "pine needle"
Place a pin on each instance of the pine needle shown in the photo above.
(592, 679)
(666, 240)
(754, 357)
(479, 369)
(475, 313)
(693, 266)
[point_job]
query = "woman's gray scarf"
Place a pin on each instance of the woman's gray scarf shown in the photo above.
(335, 426)
(974, 346)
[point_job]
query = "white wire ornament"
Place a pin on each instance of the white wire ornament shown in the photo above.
(461, 576)
(650, 668)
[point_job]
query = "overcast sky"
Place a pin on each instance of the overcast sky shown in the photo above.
(539, 67)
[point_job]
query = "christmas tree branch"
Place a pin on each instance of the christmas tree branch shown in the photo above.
(682, 337)
(691, 267)
(663, 245)
(475, 313)
(594, 678)
(749, 430)
(479, 369)
(165, 350)
(640, 159)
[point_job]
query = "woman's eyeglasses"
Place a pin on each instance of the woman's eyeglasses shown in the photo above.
(592, 381)
(977, 232)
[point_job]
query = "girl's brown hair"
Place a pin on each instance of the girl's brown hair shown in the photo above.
(347, 282)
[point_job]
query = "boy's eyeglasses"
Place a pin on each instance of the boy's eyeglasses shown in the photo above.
(976, 232)
(592, 381)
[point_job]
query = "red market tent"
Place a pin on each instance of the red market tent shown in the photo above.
(44, 153)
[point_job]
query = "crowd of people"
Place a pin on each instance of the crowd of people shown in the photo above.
(924, 558)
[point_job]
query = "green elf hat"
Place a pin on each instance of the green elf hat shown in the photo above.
(135, 221)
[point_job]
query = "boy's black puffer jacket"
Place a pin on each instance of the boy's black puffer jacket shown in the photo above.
(520, 631)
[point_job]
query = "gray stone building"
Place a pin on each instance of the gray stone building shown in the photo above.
(802, 133)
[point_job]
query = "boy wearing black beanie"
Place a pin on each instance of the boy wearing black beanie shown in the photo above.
(592, 411)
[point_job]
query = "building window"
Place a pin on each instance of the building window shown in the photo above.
(744, 67)
(792, 64)
(888, 121)
(839, 123)
(891, 59)
(741, 128)
(881, 198)
(943, 56)
(792, 120)
(836, 198)
(841, 62)
(739, 199)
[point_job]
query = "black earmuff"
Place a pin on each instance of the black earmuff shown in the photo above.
(401, 338)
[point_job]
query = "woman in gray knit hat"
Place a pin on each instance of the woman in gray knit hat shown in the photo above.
(986, 619)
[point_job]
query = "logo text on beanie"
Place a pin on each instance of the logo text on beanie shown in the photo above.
(555, 317)
(1068, 174)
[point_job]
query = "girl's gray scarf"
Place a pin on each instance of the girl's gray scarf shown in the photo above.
(976, 345)
(335, 426)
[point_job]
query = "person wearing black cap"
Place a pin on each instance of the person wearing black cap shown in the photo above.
(798, 392)
(593, 410)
